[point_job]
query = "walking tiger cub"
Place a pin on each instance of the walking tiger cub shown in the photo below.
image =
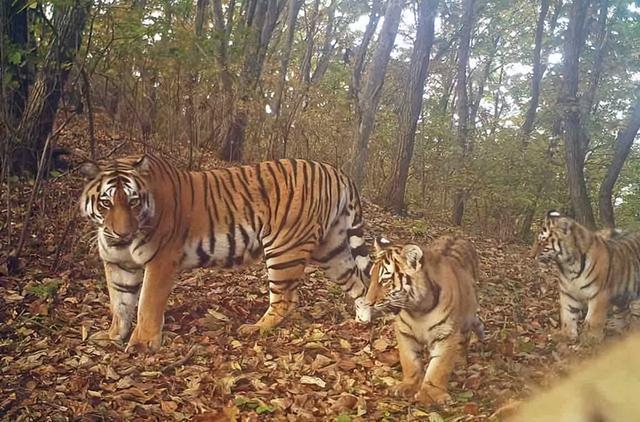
(154, 220)
(597, 270)
(432, 292)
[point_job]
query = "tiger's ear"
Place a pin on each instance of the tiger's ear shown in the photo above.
(556, 220)
(89, 169)
(380, 244)
(413, 254)
(143, 165)
(553, 214)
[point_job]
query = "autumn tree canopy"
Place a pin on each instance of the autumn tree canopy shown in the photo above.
(492, 113)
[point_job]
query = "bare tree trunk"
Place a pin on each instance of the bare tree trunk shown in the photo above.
(292, 16)
(539, 66)
(305, 67)
(192, 121)
(369, 97)
(588, 96)
(14, 16)
(261, 19)
(358, 66)
(411, 106)
(574, 153)
(42, 105)
(624, 140)
(86, 91)
(327, 47)
(536, 78)
(477, 98)
(462, 109)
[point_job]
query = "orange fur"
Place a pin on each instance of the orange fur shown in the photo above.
(156, 220)
(432, 289)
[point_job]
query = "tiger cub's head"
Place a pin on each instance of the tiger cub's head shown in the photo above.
(395, 269)
(116, 198)
(556, 238)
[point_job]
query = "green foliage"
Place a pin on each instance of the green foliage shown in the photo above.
(150, 69)
(46, 289)
(257, 405)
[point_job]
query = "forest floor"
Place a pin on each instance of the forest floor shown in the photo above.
(319, 365)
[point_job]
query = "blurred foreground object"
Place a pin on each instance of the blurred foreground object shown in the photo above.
(603, 389)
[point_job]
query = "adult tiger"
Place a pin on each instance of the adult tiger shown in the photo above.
(432, 292)
(154, 220)
(597, 269)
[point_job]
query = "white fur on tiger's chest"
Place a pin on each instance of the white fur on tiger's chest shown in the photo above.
(429, 327)
(129, 256)
(582, 287)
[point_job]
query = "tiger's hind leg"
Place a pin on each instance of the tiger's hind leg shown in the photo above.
(345, 260)
(124, 291)
(596, 318)
(285, 271)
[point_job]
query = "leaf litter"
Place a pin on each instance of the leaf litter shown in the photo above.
(319, 365)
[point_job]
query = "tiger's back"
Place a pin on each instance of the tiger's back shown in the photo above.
(453, 263)
(153, 216)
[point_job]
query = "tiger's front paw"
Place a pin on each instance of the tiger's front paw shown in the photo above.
(142, 343)
(363, 311)
(430, 394)
(591, 338)
(404, 389)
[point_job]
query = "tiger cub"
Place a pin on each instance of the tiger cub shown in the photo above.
(154, 220)
(596, 269)
(431, 290)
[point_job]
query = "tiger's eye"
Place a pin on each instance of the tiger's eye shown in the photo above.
(134, 202)
(105, 203)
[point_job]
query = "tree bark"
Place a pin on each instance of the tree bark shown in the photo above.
(462, 108)
(361, 53)
(412, 105)
(477, 98)
(41, 107)
(292, 16)
(14, 23)
(369, 98)
(327, 47)
(192, 122)
(305, 66)
(536, 78)
(261, 19)
(574, 153)
(539, 66)
(624, 141)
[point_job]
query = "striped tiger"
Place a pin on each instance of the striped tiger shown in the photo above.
(433, 294)
(596, 269)
(154, 220)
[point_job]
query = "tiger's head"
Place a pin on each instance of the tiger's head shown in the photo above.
(394, 270)
(556, 238)
(116, 198)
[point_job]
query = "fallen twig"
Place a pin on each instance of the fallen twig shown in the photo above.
(183, 360)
